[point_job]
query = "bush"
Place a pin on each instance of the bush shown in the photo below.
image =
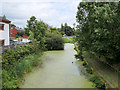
(11, 56)
(14, 66)
(54, 41)
(12, 77)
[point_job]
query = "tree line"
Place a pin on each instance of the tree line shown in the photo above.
(44, 36)
(98, 29)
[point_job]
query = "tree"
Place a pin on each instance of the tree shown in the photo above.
(35, 43)
(38, 29)
(20, 34)
(67, 29)
(30, 25)
(98, 29)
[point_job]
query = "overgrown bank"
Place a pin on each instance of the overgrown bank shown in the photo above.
(17, 62)
(92, 75)
(98, 32)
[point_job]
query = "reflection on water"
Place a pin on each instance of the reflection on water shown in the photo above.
(58, 71)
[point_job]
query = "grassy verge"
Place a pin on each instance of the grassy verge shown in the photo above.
(12, 77)
(68, 40)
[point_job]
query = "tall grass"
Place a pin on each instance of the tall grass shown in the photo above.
(13, 77)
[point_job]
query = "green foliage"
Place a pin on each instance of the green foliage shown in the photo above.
(12, 37)
(98, 83)
(67, 30)
(16, 62)
(99, 29)
(38, 29)
(11, 56)
(54, 41)
(93, 77)
(12, 77)
(30, 25)
(19, 34)
(88, 69)
(35, 43)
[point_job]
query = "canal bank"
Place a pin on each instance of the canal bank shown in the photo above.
(106, 72)
(58, 71)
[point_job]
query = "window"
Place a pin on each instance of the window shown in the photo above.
(1, 42)
(1, 26)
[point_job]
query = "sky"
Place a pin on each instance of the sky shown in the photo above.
(53, 12)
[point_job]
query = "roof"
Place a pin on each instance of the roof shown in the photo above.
(3, 19)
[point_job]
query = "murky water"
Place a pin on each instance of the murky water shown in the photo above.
(58, 71)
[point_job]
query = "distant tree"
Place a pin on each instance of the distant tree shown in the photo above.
(62, 27)
(53, 29)
(67, 29)
(61, 30)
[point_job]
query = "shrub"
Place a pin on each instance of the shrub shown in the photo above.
(11, 56)
(54, 41)
(12, 77)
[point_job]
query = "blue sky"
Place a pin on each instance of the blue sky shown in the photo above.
(53, 12)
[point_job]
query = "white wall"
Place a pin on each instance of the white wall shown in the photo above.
(5, 33)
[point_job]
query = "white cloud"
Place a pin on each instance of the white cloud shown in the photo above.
(53, 12)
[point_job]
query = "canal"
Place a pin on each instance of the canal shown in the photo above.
(58, 71)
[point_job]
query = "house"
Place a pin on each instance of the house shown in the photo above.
(4, 31)
(12, 31)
